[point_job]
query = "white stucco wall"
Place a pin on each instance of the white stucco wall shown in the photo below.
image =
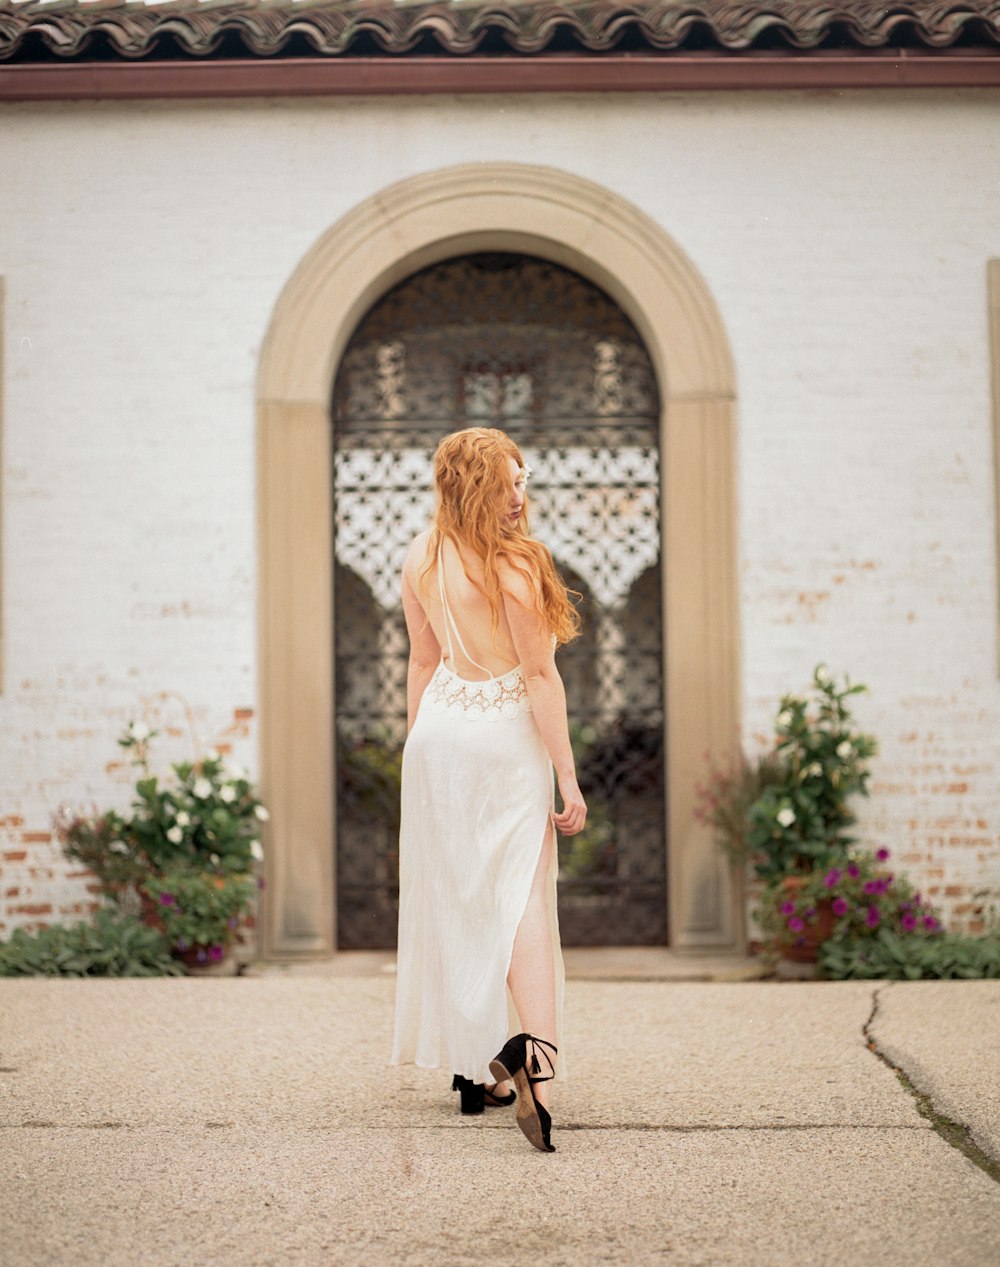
(844, 237)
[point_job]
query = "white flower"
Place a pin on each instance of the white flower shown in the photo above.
(844, 749)
(118, 846)
(261, 813)
(139, 730)
(183, 818)
(256, 851)
(202, 788)
(822, 675)
(227, 794)
(212, 754)
(784, 717)
(786, 816)
(175, 835)
(235, 772)
(213, 859)
(814, 769)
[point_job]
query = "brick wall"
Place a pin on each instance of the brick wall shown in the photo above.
(844, 237)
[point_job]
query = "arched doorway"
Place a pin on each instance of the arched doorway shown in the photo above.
(513, 341)
(595, 234)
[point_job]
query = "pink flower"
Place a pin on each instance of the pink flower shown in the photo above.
(931, 923)
(840, 906)
(872, 917)
(852, 870)
(873, 886)
(909, 921)
(882, 854)
(832, 877)
(795, 924)
(788, 908)
(167, 899)
(215, 953)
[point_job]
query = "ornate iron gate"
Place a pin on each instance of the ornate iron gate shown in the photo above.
(515, 342)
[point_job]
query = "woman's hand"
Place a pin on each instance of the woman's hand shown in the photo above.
(574, 810)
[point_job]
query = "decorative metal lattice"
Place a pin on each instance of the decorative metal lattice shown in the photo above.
(514, 342)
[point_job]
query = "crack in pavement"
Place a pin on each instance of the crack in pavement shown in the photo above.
(956, 1134)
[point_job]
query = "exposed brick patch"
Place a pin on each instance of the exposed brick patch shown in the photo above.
(36, 837)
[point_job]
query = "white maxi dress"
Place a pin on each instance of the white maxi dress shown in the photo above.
(477, 792)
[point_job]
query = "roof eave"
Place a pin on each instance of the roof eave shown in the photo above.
(383, 76)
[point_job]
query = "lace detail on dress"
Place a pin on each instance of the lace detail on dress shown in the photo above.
(500, 697)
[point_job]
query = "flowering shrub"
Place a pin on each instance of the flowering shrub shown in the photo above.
(788, 812)
(194, 835)
(198, 911)
(858, 895)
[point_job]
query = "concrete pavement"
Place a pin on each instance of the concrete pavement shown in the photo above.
(253, 1121)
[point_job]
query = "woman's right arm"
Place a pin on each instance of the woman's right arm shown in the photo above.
(533, 644)
(425, 651)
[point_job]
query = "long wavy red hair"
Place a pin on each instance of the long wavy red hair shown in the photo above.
(472, 478)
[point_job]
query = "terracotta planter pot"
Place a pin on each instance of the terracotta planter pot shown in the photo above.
(805, 948)
(198, 962)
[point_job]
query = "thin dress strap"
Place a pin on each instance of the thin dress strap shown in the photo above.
(450, 622)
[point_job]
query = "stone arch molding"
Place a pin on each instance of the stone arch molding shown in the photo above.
(406, 227)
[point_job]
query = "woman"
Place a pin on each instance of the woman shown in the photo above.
(486, 716)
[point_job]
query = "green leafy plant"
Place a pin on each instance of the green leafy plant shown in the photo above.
(108, 946)
(891, 955)
(195, 833)
(787, 812)
(199, 911)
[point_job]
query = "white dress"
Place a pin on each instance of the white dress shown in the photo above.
(477, 791)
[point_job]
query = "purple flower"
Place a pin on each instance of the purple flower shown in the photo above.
(872, 918)
(182, 943)
(215, 953)
(788, 908)
(201, 956)
(167, 899)
(881, 854)
(931, 923)
(916, 899)
(840, 906)
(852, 870)
(795, 924)
(810, 912)
(234, 922)
(832, 877)
(909, 921)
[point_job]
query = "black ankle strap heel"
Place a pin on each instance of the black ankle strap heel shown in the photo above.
(473, 1094)
(513, 1062)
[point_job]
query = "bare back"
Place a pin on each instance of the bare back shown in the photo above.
(485, 654)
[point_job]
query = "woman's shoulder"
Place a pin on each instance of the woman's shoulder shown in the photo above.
(518, 576)
(417, 550)
(416, 555)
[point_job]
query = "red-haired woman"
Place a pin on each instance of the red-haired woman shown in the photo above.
(486, 713)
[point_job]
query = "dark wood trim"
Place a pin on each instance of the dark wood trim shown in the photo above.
(369, 76)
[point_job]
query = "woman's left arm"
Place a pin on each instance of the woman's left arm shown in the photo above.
(425, 651)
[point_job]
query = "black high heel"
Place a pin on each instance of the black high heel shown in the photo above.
(494, 1101)
(473, 1094)
(512, 1063)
